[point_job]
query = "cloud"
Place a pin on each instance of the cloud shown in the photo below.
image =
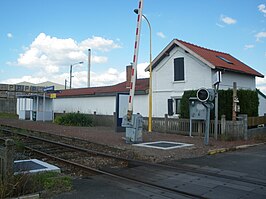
(9, 35)
(99, 59)
(260, 35)
(227, 20)
(49, 54)
(160, 34)
(26, 78)
(141, 70)
(248, 46)
(50, 57)
(262, 8)
(99, 43)
(110, 77)
(220, 25)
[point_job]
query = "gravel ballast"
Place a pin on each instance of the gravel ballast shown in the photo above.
(107, 136)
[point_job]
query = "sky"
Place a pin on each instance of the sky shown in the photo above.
(40, 39)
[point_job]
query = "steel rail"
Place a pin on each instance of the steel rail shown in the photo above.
(142, 163)
(110, 174)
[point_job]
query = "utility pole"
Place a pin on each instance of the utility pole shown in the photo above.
(216, 114)
(89, 68)
(218, 79)
(150, 69)
(70, 76)
(65, 84)
(70, 73)
(234, 101)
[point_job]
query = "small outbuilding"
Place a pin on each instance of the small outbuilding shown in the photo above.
(35, 107)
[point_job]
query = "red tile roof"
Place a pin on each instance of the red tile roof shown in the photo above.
(142, 86)
(212, 57)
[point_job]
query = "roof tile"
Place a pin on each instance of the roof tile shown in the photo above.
(141, 85)
(213, 57)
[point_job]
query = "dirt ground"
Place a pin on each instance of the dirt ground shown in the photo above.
(107, 136)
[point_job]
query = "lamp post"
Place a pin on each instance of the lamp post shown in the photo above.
(70, 78)
(150, 81)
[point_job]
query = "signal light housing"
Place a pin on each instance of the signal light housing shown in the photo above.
(205, 95)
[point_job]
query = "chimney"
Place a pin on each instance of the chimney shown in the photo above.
(128, 75)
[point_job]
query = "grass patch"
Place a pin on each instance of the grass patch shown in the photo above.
(20, 146)
(48, 183)
(9, 115)
(74, 119)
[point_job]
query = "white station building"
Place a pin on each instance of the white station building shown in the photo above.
(180, 66)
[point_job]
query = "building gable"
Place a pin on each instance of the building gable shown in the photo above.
(214, 59)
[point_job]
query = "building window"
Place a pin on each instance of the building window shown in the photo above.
(174, 106)
(177, 106)
(224, 59)
(179, 69)
(170, 107)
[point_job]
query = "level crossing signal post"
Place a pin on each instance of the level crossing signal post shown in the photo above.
(200, 108)
(133, 122)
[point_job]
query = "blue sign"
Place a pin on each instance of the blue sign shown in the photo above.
(49, 88)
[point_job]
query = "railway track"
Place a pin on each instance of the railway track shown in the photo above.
(60, 152)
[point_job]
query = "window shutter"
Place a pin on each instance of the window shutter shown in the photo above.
(179, 69)
(170, 107)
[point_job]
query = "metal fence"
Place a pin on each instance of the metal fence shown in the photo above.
(234, 129)
(180, 126)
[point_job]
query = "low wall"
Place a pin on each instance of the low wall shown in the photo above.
(103, 120)
(256, 132)
(8, 105)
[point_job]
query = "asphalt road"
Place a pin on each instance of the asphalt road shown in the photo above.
(250, 163)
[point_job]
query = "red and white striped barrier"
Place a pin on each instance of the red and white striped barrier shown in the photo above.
(135, 61)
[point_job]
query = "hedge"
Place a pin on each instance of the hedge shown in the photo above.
(248, 101)
(74, 119)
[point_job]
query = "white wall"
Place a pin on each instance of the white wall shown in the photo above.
(243, 81)
(262, 105)
(24, 104)
(163, 74)
(102, 105)
(141, 105)
(197, 75)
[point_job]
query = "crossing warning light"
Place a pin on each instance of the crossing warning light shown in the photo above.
(205, 95)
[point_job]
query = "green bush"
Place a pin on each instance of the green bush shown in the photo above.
(184, 103)
(248, 101)
(9, 115)
(74, 119)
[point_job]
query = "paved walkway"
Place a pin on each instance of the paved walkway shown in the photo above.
(245, 164)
